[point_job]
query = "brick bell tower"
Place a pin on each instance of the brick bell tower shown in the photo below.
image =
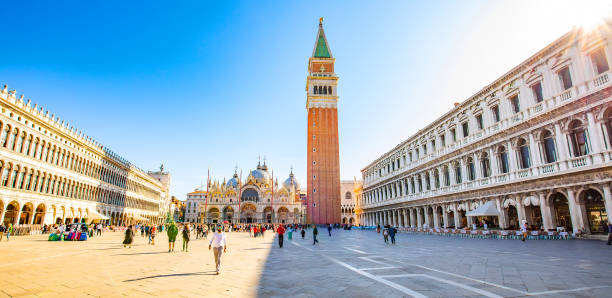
(323, 157)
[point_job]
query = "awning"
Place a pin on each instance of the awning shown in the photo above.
(487, 209)
(139, 218)
(93, 215)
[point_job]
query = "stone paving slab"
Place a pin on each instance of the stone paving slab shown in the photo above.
(348, 264)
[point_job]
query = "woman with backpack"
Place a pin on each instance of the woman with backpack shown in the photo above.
(186, 235)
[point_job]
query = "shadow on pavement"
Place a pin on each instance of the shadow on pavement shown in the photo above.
(173, 275)
(142, 253)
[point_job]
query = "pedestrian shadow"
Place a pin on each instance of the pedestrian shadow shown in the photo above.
(254, 248)
(172, 275)
(142, 253)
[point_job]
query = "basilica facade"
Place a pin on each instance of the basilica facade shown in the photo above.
(52, 173)
(535, 145)
(257, 199)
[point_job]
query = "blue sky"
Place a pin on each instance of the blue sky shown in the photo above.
(200, 85)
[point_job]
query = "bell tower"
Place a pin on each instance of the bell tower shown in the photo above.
(323, 156)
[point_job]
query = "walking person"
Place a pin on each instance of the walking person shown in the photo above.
(2, 229)
(172, 233)
(153, 234)
(315, 232)
(289, 233)
(609, 233)
(303, 232)
(129, 237)
(378, 229)
(386, 235)
(9, 231)
(281, 232)
(524, 230)
(392, 232)
(186, 235)
(218, 241)
(329, 228)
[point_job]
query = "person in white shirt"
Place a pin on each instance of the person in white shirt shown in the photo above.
(218, 241)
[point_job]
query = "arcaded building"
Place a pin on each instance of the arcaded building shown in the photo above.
(52, 173)
(535, 144)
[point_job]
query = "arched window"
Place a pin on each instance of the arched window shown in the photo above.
(503, 159)
(486, 165)
(446, 176)
(12, 138)
(4, 135)
(348, 195)
(471, 169)
(320, 89)
(26, 146)
(437, 178)
(324, 90)
(523, 148)
(578, 138)
(19, 145)
(329, 90)
(315, 90)
(427, 181)
(608, 125)
(458, 173)
(548, 141)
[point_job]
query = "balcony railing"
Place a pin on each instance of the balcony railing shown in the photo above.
(601, 80)
(523, 173)
(566, 95)
(581, 161)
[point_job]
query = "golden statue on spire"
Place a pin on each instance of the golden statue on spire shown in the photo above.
(321, 21)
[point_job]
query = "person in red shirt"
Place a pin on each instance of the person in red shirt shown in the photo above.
(281, 232)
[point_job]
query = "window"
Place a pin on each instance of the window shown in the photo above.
(578, 138)
(537, 92)
(479, 121)
(329, 90)
(503, 160)
(457, 174)
(443, 140)
(424, 149)
(466, 129)
(417, 153)
(524, 154)
(433, 145)
(471, 169)
(453, 134)
(565, 78)
(600, 62)
(446, 176)
(485, 165)
(495, 111)
(514, 101)
(315, 90)
(550, 154)
(437, 179)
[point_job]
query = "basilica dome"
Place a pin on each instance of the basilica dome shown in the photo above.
(232, 183)
(291, 182)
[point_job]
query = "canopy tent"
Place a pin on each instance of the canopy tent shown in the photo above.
(487, 209)
(93, 215)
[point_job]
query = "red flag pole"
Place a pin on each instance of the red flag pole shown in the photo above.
(239, 196)
(206, 204)
(272, 200)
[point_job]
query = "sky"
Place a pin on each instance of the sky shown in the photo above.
(200, 85)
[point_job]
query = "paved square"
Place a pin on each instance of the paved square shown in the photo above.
(348, 264)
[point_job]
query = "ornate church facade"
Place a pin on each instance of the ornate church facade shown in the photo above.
(257, 199)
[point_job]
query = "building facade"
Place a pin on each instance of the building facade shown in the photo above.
(349, 191)
(535, 143)
(261, 200)
(323, 162)
(52, 173)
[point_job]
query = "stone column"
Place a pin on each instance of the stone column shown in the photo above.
(427, 219)
(477, 167)
(512, 166)
(595, 138)
(561, 147)
(493, 162)
(419, 217)
(470, 220)
(546, 211)
(406, 223)
(582, 215)
(576, 220)
(412, 218)
(445, 217)
(436, 217)
(458, 218)
(503, 214)
(520, 209)
(451, 173)
(608, 200)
